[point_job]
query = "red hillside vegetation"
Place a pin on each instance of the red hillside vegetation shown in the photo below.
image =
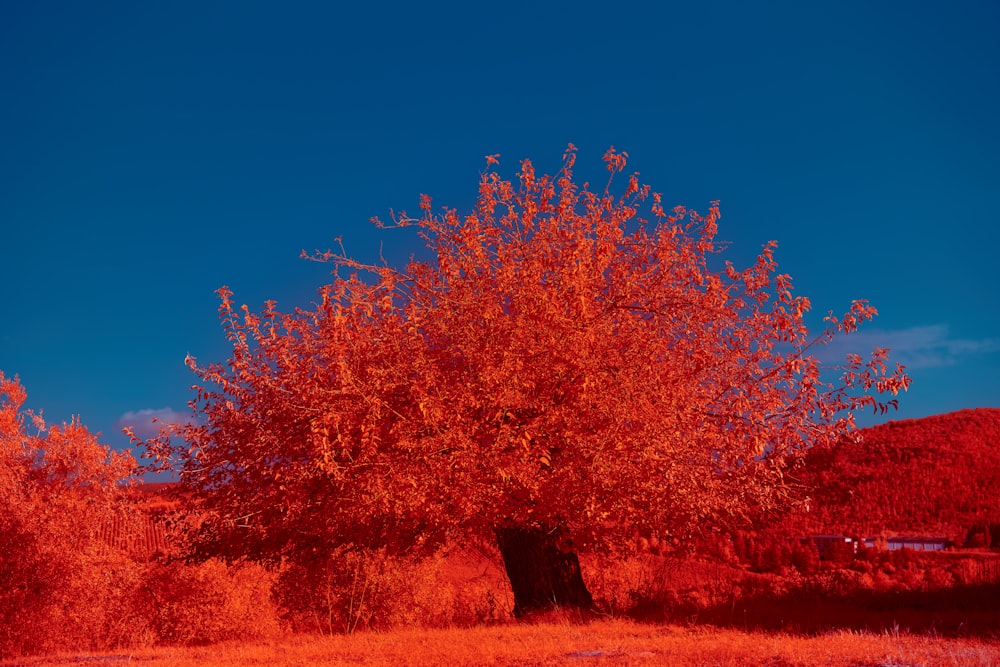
(141, 532)
(935, 476)
(157, 497)
(142, 536)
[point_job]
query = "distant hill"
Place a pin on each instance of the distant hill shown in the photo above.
(156, 497)
(938, 475)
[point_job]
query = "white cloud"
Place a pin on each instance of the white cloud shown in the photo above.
(147, 423)
(917, 347)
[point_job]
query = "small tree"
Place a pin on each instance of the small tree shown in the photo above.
(569, 367)
(58, 488)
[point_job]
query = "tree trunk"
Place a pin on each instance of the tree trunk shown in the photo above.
(542, 575)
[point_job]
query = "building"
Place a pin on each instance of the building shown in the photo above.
(900, 542)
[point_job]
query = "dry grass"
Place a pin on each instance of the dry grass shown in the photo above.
(559, 642)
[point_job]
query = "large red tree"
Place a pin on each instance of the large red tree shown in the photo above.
(567, 367)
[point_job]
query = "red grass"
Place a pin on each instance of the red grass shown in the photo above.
(609, 642)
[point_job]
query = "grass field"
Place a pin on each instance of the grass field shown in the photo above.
(559, 642)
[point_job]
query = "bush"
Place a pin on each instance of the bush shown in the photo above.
(207, 603)
(355, 589)
(60, 583)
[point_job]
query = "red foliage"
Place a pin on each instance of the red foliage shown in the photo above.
(565, 359)
(58, 486)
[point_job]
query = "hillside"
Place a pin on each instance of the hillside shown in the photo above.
(938, 475)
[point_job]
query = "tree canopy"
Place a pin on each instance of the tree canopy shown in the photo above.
(566, 359)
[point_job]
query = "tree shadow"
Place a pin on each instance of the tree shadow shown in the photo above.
(959, 611)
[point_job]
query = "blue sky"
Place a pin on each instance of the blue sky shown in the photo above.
(152, 152)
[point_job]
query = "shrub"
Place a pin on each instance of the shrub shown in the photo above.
(207, 603)
(58, 486)
(358, 589)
